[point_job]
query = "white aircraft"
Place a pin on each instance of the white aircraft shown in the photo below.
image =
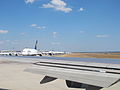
(4, 53)
(53, 53)
(9, 53)
(31, 52)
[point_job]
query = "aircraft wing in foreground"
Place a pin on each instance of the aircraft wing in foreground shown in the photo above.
(91, 76)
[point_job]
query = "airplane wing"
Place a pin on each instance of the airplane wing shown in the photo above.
(88, 75)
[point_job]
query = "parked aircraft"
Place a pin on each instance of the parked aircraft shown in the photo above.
(53, 53)
(4, 53)
(10, 53)
(31, 52)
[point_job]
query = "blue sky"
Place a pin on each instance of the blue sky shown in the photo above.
(64, 25)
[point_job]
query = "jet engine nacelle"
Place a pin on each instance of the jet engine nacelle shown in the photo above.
(72, 84)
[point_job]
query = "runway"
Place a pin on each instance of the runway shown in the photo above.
(75, 59)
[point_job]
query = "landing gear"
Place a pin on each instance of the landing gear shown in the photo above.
(40, 54)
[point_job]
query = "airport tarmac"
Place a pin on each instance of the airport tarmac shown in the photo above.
(13, 77)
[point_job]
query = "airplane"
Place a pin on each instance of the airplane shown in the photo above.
(78, 74)
(50, 53)
(24, 52)
(4, 53)
(35, 52)
(31, 52)
(9, 53)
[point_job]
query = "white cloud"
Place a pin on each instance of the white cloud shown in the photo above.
(58, 5)
(102, 36)
(81, 32)
(55, 43)
(30, 1)
(1, 42)
(37, 26)
(3, 31)
(7, 40)
(22, 34)
(40, 27)
(81, 9)
(54, 34)
(15, 42)
(58, 2)
(33, 25)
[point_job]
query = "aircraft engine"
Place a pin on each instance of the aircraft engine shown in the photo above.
(72, 84)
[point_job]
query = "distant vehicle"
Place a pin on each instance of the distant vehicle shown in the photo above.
(31, 52)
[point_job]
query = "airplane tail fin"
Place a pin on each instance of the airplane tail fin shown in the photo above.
(36, 44)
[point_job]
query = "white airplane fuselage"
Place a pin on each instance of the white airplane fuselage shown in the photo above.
(30, 52)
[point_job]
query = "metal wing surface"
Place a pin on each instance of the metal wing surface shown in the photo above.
(88, 73)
